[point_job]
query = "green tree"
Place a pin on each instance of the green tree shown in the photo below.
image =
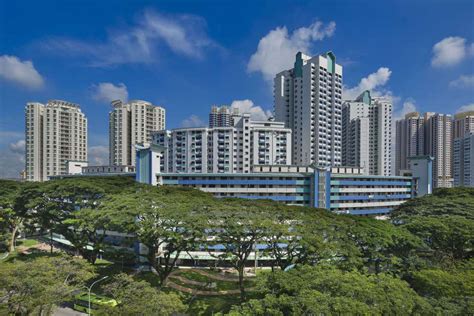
(237, 226)
(166, 220)
(443, 202)
(298, 235)
(450, 291)
(325, 290)
(139, 298)
(11, 217)
(36, 286)
(383, 247)
(86, 230)
(68, 207)
(450, 238)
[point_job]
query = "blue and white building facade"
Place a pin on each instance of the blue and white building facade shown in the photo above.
(344, 190)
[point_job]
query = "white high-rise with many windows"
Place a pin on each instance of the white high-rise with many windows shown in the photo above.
(308, 99)
(367, 134)
(228, 149)
(463, 149)
(129, 124)
(55, 133)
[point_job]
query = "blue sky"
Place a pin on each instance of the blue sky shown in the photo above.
(189, 55)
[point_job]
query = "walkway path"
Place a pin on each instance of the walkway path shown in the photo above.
(181, 288)
(219, 277)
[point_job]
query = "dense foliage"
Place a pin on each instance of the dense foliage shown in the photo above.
(419, 262)
(36, 286)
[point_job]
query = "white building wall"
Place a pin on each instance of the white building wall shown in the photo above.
(129, 124)
(308, 98)
(34, 141)
(232, 149)
(55, 133)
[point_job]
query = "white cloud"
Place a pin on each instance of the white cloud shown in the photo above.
(106, 91)
(408, 106)
(18, 147)
(98, 155)
(464, 81)
(12, 159)
(193, 121)
(451, 51)
(276, 50)
(465, 108)
(20, 72)
(373, 83)
(183, 34)
(247, 106)
(6, 137)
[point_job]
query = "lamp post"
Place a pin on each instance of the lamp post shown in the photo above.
(90, 288)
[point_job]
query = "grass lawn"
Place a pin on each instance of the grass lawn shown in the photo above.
(209, 305)
(219, 285)
(26, 242)
(203, 305)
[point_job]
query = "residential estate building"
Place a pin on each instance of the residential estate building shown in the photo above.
(409, 140)
(221, 116)
(463, 161)
(339, 189)
(367, 134)
(227, 149)
(129, 124)
(344, 190)
(430, 135)
(439, 145)
(308, 99)
(463, 149)
(55, 133)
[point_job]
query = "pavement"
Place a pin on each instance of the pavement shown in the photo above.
(67, 311)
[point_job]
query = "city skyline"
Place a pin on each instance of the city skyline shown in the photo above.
(37, 66)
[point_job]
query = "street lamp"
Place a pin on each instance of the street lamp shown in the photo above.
(90, 288)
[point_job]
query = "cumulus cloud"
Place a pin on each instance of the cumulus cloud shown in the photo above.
(20, 72)
(373, 82)
(183, 34)
(247, 106)
(193, 121)
(106, 91)
(465, 108)
(451, 51)
(98, 155)
(18, 147)
(464, 81)
(276, 50)
(12, 158)
(408, 106)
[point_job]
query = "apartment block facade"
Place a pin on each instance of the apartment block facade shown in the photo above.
(463, 149)
(129, 124)
(431, 134)
(55, 133)
(308, 99)
(221, 116)
(231, 149)
(367, 134)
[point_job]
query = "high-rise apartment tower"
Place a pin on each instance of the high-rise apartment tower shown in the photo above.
(367, 134)
(308, 99)
(129, 124)
(431, 135)
(232, 149)
(463, 149)
(55, 133)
